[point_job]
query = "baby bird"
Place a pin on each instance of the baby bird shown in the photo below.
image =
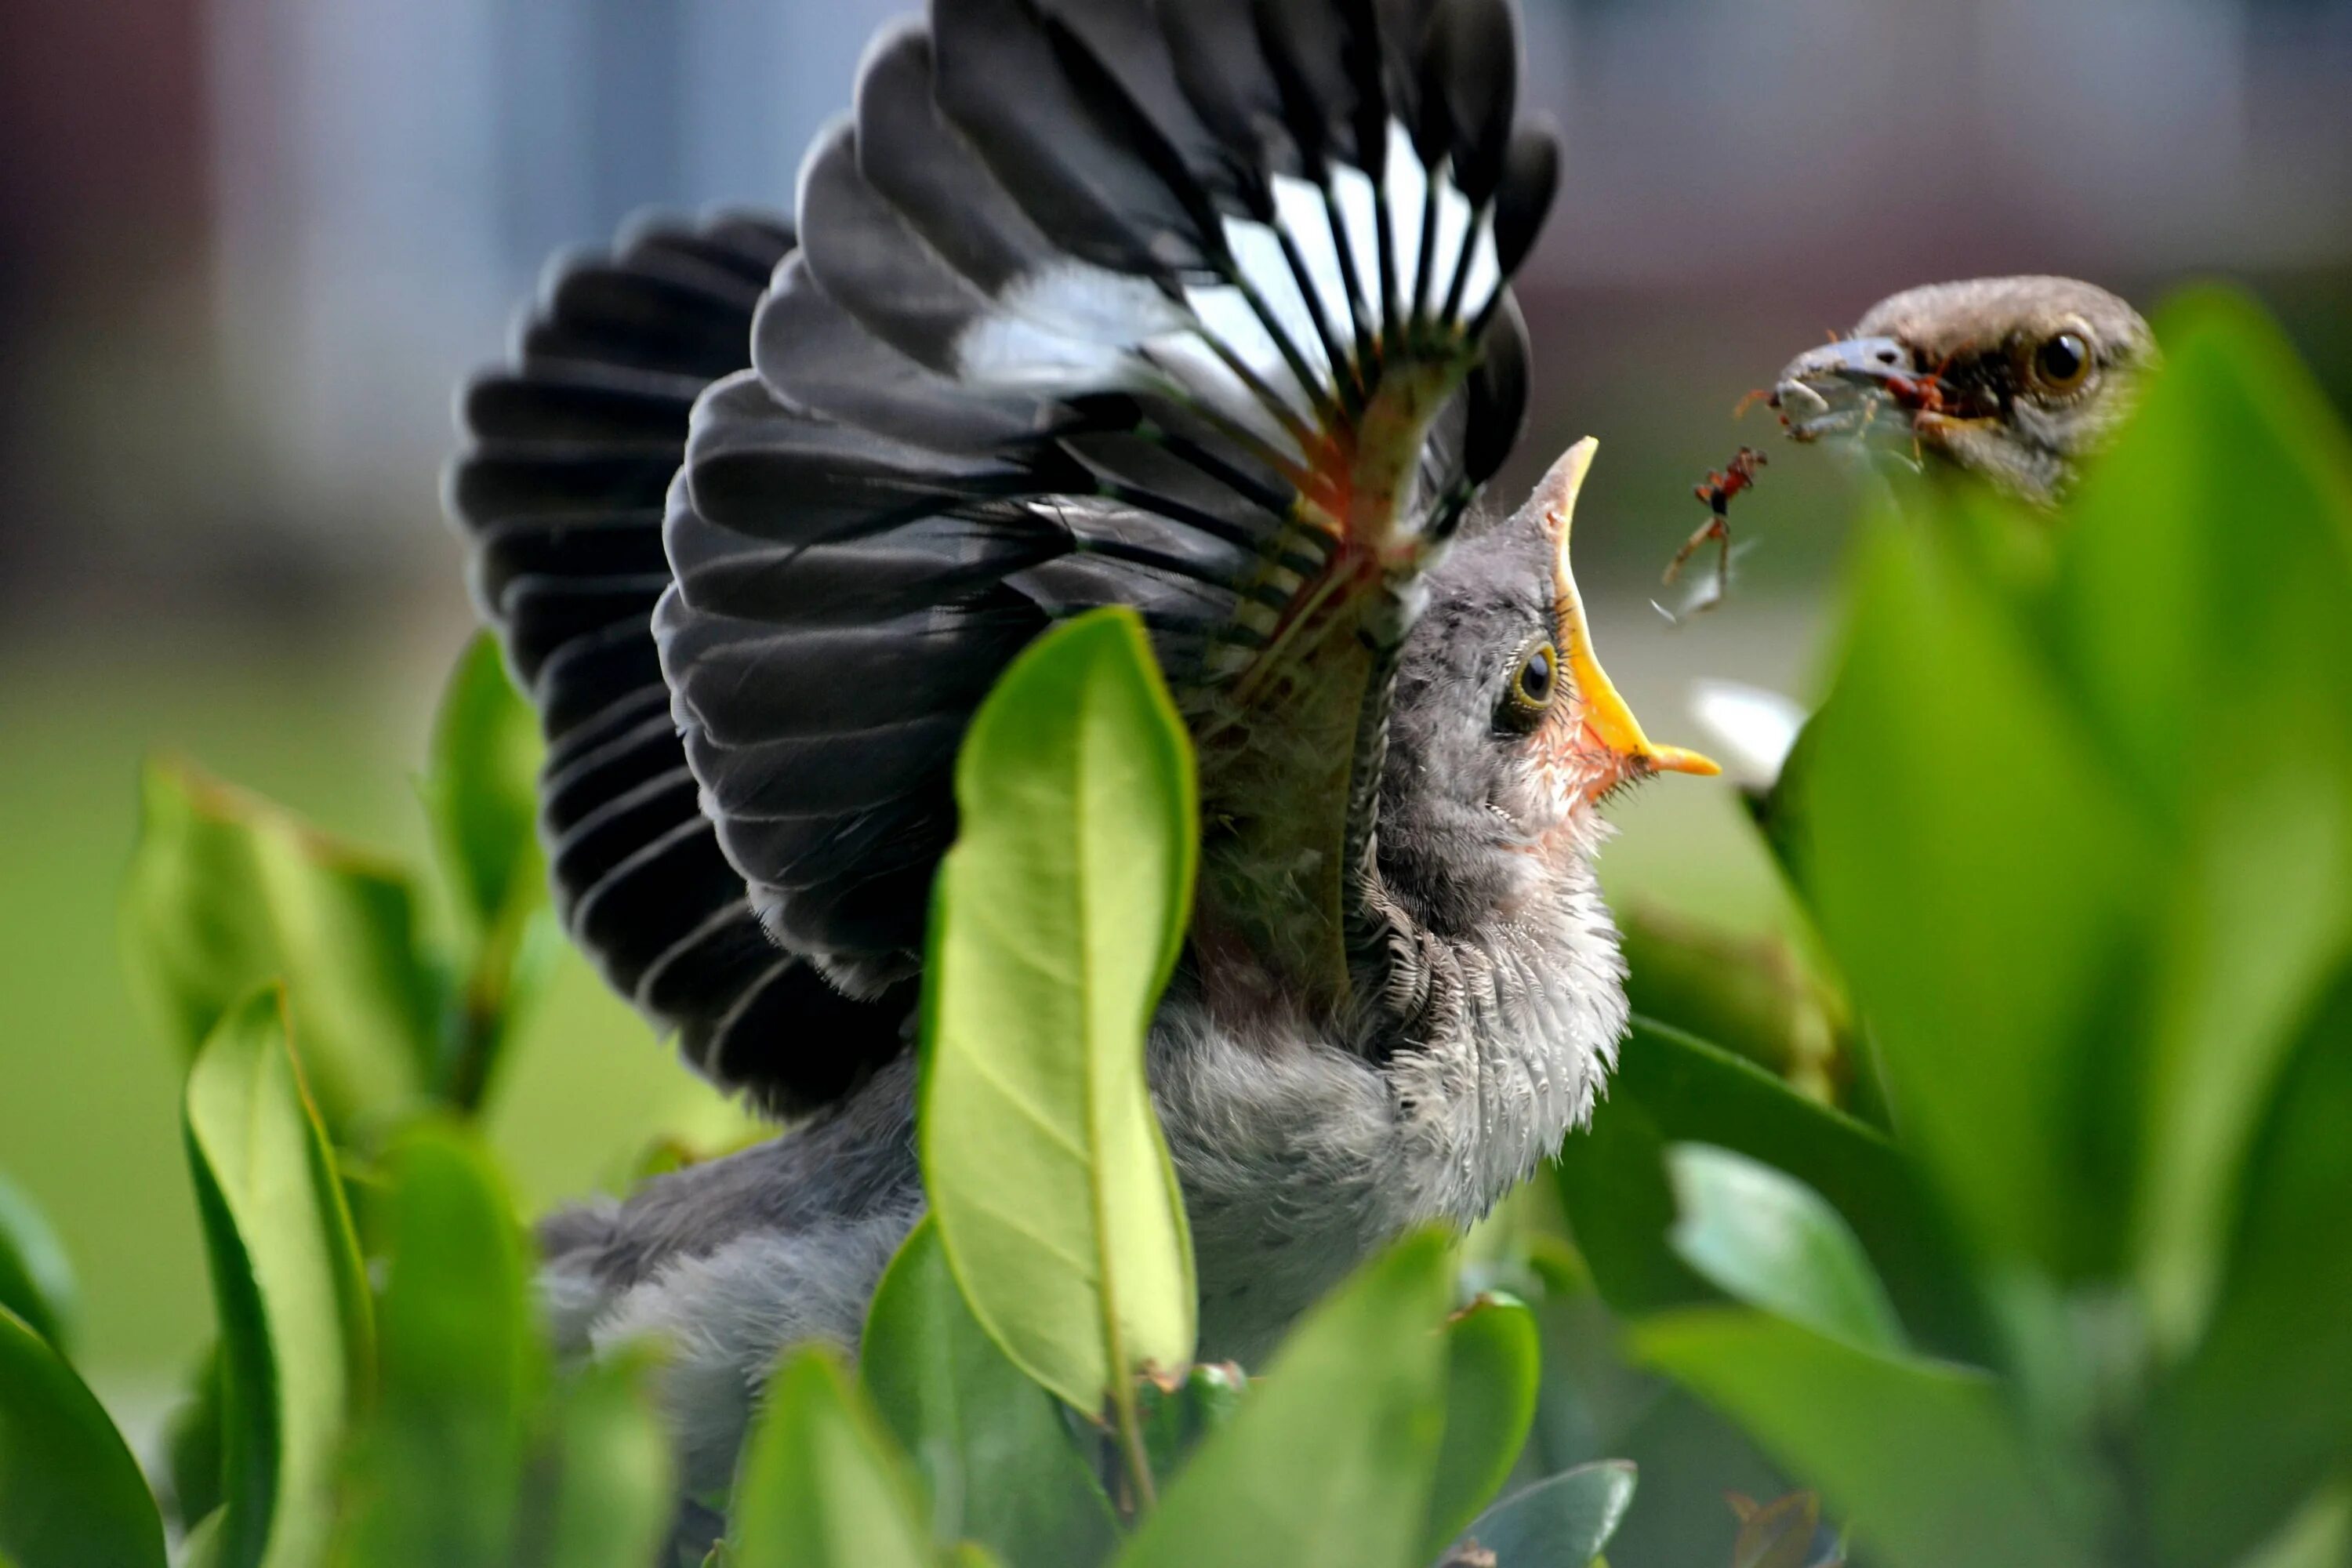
(1202, 309)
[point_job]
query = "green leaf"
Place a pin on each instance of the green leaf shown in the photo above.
(1778, 1534)
(296, 1338)
(1560, 1522)
(36, 1279)
(2261, 1414)
(481, 792)
(227, 891)
(1493, 1361)
(1746, 993)
(1328, 1464)
(603, 1488)
(1180, 1411)
(991, 1448)
(1768, 1239)
(1783, 818)
(1921, 1457)
(821, 1485)
(70, 1494)
(195, 1454)
(481, 788)
(1056, 921)
(2201, 614)
(1669, 1088)
(438, 1466)
(1991, 919)
(2319, 1535)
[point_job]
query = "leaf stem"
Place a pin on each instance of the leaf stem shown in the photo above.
(479, 1027)
(1130, 1438)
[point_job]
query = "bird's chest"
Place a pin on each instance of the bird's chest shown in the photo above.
(1299, 1157)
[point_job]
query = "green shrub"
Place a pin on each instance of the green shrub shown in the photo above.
(2074, 827)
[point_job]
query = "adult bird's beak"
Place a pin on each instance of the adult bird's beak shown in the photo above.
(1837, 388)
(1599, 710)
(1841, 388)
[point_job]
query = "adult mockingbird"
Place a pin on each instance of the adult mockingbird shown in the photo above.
(1197, 306)
(2016, 380)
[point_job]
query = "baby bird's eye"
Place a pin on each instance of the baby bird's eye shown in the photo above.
(2062, 363)
(1533, 681)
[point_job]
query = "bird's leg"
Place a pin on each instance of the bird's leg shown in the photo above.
(1718, 527)
(1717, 489)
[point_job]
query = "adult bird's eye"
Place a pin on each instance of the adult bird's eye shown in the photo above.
(1532, 685)
(2061, 363)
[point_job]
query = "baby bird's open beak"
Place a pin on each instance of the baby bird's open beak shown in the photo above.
(1602, 717)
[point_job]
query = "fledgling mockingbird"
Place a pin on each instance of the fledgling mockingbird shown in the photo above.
(2016, 380)
(1197, 306)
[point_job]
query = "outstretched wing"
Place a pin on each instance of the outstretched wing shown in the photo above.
(1196, 306)
(560, 493)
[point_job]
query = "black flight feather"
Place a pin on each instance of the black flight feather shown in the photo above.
(1096, 304)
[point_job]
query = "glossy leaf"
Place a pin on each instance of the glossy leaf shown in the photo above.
(1991, 919)
(1056, 921)
(1327, 1463)
(2260, 1414)
(603, 1497)
(2201, 615)
(195, 1455)
(438, 1467)
(481, 788)
(1764, 1238)
(227, 892)
(991, 1448)
(1746, 993)
(36, 1278)
(1778, 1534)
(2319, 1535)
(481, 792)
(1494, 1364)
(1180, 1411)
(297, 1342)
(1782, 814)
(1669, 1088)
(1559, 1523)
(822, 1486)
(70, 1494)
(1921, 1457)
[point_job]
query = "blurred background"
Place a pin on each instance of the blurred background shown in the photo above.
(248, 247)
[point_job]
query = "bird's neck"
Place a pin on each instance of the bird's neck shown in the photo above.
(1292, 748)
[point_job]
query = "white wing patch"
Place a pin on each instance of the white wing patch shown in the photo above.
(1255, 348)
(1082, 300)
(1009, 351)
(1299, 211)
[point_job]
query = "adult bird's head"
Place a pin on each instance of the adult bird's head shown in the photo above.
(2016, 380)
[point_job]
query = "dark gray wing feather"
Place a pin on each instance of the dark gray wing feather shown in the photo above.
(1093, 298)
(560, 493)
(1089, 294)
